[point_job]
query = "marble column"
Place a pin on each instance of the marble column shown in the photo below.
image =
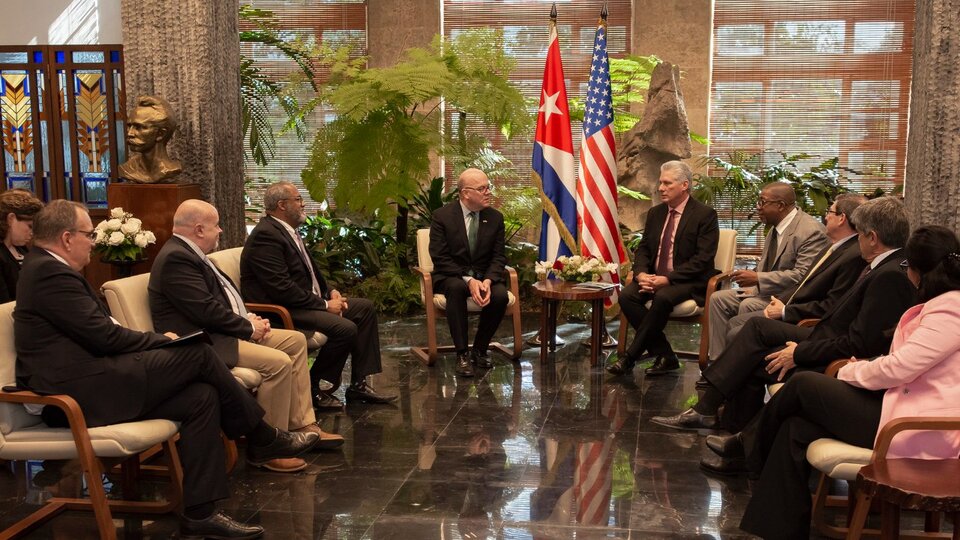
(188, 52)
(932, 185)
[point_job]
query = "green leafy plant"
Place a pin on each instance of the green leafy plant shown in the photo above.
(629, 81)
(740, 176)
(377, 151)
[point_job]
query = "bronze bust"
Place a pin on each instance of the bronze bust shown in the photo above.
(150, 127)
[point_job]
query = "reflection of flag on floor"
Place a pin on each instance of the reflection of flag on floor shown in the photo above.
(593, 481)
(553, 160)
(598, 217)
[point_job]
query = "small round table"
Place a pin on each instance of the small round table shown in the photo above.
(551, 293)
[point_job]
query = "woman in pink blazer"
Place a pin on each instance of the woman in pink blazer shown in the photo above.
(920, 377)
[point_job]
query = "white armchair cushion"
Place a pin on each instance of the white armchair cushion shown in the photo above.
(837, 459)
(117, 440)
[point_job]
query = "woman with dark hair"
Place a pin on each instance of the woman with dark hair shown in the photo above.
(17, 208)
(920, 377)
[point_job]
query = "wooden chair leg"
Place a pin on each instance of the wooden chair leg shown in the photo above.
(859, 517)
(702, 359)
(517, 331)
(622, 334)
(889, 520)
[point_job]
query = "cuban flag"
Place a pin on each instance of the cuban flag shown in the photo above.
(597, 189)
(553, 164)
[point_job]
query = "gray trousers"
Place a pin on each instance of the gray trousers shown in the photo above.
(729, 311)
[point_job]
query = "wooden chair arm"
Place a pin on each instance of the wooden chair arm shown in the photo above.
(69, 406)
(834, 367)
(426, 286)
(716, 282)
(910, 423)
(279, 311)
(513, 282)
(808, 323)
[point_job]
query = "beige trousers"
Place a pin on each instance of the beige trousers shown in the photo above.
(284, 393)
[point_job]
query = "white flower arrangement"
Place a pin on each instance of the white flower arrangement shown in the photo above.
(121, 237)
(576, 268)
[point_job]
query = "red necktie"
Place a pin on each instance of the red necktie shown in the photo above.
(663, 260)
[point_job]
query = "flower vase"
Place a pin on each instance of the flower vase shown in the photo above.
(123, 268)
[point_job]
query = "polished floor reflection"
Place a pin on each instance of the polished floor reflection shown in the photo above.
(525, 450)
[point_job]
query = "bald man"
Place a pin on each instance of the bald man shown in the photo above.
(467, 248)
(187, 293)
(791, 247)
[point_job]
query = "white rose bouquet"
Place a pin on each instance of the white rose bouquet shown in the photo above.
(121, 237)
(577, 268)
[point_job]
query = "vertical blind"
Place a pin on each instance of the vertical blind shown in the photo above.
(525, 25)
(818, 76)
(333, 22)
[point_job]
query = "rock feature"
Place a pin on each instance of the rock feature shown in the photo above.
(661, 135)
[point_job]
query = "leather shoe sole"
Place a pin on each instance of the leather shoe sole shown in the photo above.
(730, 446)
(664, 366)
(368, 397)
(723, 466)
(688, 419)
(283, 465)
(286, 445)
(328, 441)
(217, 526)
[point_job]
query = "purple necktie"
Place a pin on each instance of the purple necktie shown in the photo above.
(663, 260)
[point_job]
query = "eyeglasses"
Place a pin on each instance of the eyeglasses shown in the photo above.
(92, 235)
(298, 198)
(834, 212)
(482, 189)
(761, 202)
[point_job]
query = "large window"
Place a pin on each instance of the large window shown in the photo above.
(817, 76)
(525, 24)
(333, 22)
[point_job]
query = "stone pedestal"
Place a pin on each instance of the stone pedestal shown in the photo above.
(154, 205)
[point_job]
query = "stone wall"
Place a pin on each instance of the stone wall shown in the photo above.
(932, 186)
(188, 52)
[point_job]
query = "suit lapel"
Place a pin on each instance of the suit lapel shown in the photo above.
(893, 258)
(781, 239)
(685, 218)
(277, 226)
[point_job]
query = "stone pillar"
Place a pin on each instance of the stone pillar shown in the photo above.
(932, 184)
(188, 52)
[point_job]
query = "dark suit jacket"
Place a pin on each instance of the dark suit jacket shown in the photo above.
(826, 285)
(862, 322)
(66, 342)
(694, 244)
(185, 296)
(9, 273)
(450, 249)
(272, 271)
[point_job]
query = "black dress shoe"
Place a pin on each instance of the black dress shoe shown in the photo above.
(724, 466)
(464, 369)
(702, 383)
(286, 445)
(218, 525)
(664, 365)
(364, 393)
(688, 419)
(481, 360)
(323, 401)
(623, 366)
(726, 446)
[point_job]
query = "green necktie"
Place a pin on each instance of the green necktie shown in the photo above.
(472, 231)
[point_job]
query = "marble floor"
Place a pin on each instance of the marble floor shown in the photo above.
(554, 450)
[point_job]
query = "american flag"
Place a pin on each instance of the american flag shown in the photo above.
(597, 215)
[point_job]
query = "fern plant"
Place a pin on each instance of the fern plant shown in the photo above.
(388, 120)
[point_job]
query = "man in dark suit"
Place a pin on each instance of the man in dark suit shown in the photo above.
(67, 343)
(275, 268)
(466, 245)
(860, 324)
(189, 293)
(672, 265)
(836, 269)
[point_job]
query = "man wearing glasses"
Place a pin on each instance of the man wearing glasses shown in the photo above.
(466, 245)
(789, 250)
(275, 268)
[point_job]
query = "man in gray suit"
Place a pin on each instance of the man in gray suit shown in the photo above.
(790, 249)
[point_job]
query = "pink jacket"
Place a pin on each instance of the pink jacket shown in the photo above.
(921, 375)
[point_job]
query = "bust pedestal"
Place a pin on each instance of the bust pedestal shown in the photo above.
(154, 205)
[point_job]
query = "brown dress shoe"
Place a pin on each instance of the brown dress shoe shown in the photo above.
(328, 441)
(284, 465)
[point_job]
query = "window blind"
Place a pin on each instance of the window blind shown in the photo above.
(817, 76)
(333, 22)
